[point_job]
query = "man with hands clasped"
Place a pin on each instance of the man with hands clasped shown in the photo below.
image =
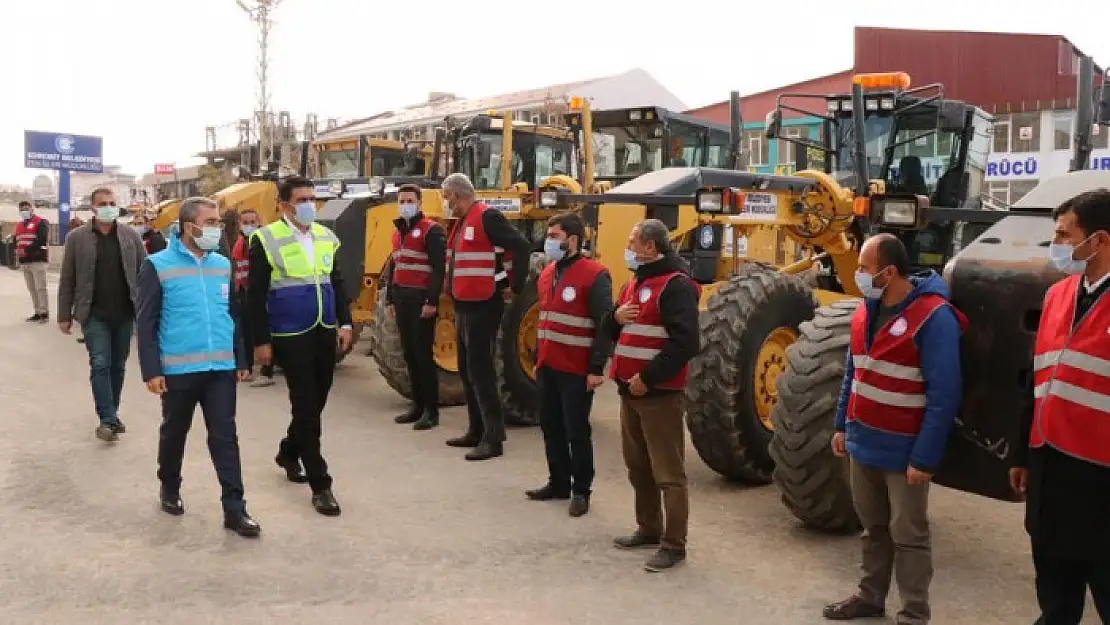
(416, 281)
(190, 352)
(899, 401)
(655, 325)
(575, 296)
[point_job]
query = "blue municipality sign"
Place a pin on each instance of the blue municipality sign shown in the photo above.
(63, 152)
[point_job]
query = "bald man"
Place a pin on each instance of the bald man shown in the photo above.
(902, 390)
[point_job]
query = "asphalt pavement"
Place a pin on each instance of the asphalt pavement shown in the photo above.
(425, 537)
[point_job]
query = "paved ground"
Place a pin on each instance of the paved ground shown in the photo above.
(425, 537)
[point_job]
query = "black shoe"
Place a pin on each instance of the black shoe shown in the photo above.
(80, 339)
(412, 416)
(43, 319)
(635, 541)
(427, 421)
(665, 558)
(852, 608)
(466, 440)
(118, 427)
(325, 503)
(33, 318)
(293, 471)
(106, 433)
(243, 525)
(579, 505)
(485, 451)
(547, 493)
(171, 503)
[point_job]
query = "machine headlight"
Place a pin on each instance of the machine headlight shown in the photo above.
(833, 106)
(887, 104)
(846, 106)
(872, 105)
(335, 187)
(634, 116)
(899, 212)
(710, 201)
(549, 199)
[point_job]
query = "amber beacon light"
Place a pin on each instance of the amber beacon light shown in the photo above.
(885, 80)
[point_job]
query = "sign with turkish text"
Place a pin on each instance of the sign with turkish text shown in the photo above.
(1039, 165)
(52, 150)
(163, 169)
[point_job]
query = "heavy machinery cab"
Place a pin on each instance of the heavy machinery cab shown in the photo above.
(351, 166)
(630, 142)
(538, 152)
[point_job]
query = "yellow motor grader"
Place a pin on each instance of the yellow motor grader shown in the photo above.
(763, 391)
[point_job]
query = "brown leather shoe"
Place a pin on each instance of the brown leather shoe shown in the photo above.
(852, 608)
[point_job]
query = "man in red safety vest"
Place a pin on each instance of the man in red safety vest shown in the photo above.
(478, 283)
(415, 284)
(1064, 470)
(655, 326)
(575, 295)
(898, 404)
(241, 266)
(32, 250)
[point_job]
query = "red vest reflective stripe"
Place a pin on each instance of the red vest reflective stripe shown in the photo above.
(1071, 376)
(506, 263)
(888, 389)
(566, 329)
(641, 340)
(472, 257)
(240, 256)
(25, 233)
(411, 267)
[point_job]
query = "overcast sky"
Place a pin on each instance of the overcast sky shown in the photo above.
(149, 75)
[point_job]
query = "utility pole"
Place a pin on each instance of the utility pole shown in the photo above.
(260, 12)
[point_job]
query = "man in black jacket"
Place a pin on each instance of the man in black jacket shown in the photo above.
(32, 236)
(478, 316)
(299, 316)
(415, 284)
(655, 324)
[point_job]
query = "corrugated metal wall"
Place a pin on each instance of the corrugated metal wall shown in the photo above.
(755, 107)
(999, 72)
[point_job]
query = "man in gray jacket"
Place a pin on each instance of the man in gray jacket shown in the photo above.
(98, 289)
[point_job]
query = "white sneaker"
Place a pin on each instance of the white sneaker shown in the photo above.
(262, 382)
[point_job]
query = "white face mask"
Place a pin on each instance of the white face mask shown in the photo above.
(107, 213)
(407, 211)
(209, 238)
(24, 215)
(1060, 256)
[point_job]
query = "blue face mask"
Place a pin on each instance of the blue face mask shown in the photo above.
(249, 230)
(630, 260)
(554, 249)
(1060, 256)
(107, 213)
(407, 211)
(866, 284)
(306, 213)
(209, 238)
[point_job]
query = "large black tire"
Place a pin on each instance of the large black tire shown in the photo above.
(812, 480)
(385, 345)
(519, 394)
(356, 334)
(722, 415)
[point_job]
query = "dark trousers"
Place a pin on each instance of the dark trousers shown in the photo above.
(1062, 584)
(215, 392)
(108, 344)
(248, 336)
(308, 361)
(417, 337)
(565, 420)
(476, 325)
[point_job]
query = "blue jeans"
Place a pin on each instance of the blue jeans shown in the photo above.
(109, 344)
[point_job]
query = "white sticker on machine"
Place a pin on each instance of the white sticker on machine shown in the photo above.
(760, 206)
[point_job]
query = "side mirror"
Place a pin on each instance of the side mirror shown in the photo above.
(774, 123)
(1102, 106)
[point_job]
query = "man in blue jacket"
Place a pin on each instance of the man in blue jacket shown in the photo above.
(189, 351)
(901, 394)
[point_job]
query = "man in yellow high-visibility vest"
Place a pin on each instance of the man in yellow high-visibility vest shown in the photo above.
(299, 315)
